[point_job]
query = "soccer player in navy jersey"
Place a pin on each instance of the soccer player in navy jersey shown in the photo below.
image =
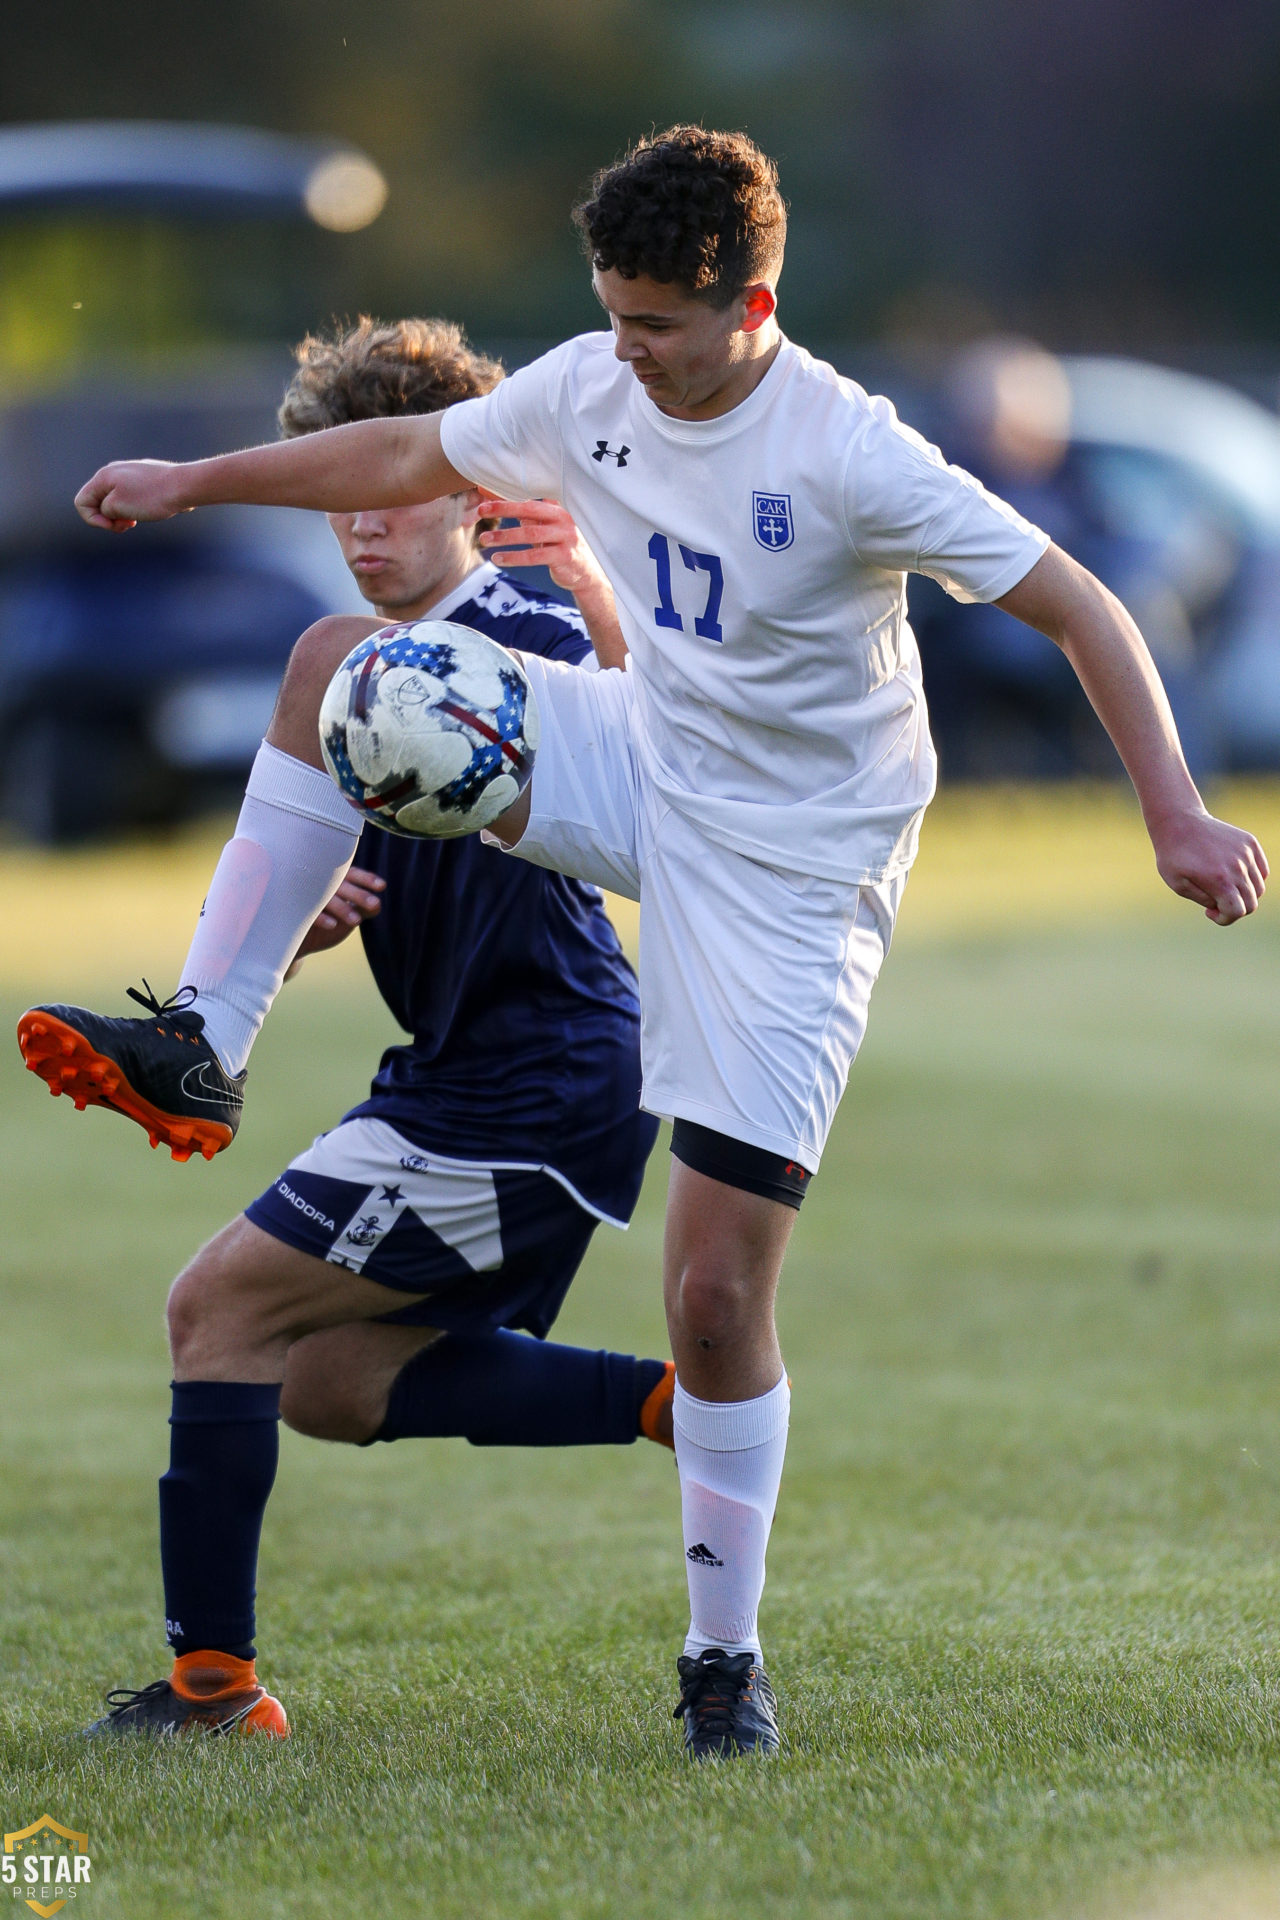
(757, 778)
(375, 1290)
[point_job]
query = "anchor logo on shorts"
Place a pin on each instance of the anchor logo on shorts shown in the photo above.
(365, 1231)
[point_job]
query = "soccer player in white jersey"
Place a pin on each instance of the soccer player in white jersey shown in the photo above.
(756, 779)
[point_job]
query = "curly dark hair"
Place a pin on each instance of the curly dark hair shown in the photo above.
(382, 367)
(691, 206)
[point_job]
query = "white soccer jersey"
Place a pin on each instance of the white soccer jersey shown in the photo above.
(759, 563)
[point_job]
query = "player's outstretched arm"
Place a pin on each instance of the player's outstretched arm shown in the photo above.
(370, 463)
(546, 535)
(1221, 867)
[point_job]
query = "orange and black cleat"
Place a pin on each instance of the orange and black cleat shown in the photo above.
(159, 1071)
(205, 1693)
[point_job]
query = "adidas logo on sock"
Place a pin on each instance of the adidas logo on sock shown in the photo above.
(702, 1556)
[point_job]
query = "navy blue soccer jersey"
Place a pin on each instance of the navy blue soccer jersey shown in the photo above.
(522, 1006)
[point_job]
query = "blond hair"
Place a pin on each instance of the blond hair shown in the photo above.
(376, 367)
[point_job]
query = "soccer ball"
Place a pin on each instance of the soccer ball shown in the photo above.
(430, 728)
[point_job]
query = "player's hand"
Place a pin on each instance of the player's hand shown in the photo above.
(1221, 867)
(127, 491)
(359, 898)
(545, 536)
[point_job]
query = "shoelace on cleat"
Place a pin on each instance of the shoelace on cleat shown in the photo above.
(711, 1695)
(120, 1699)
(175, 1008)
(176, 1003)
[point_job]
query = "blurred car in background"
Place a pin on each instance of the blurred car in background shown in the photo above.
(149, 278)
(1164, 484)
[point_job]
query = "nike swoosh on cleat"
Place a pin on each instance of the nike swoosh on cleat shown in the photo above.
(222, 1097)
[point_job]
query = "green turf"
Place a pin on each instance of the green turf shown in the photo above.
(1024, 1574)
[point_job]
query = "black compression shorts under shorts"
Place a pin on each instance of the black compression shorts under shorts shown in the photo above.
(735, 1164)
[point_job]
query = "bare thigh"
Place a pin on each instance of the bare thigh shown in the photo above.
(239, 1306)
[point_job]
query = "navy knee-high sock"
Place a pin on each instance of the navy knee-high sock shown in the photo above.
(510, 1390)
(223, 1446)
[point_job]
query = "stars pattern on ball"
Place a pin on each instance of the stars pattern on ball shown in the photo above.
(429, 729)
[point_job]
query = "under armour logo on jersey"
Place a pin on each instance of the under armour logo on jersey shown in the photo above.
(605, 452)
(773, 520)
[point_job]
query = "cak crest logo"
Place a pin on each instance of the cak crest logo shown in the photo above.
(45, 1865)
(773, 520)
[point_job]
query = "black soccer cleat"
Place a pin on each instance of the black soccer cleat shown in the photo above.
(727, 1705)
(205, 1693)
(160, 1071)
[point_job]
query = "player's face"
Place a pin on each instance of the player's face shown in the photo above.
(406, 558)
(692, 359)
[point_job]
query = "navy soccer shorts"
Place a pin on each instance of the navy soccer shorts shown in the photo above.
(490, 1246)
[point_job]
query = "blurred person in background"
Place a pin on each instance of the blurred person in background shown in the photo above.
(394, 1272)
(1000, 702)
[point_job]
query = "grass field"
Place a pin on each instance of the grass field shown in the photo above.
(1026, 1569)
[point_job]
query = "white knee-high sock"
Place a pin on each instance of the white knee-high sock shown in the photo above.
(294, 841)
(730, 1456)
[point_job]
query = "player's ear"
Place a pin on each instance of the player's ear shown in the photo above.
(761, 303)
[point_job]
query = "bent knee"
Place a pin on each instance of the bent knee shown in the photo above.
(317, 654)
(228, 1300)
(328, 641)
(191, 1308)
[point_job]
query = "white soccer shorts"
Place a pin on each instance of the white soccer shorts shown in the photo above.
(754, 983)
